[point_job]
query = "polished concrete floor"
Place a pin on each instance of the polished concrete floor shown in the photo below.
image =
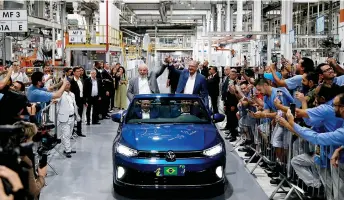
(88, 174)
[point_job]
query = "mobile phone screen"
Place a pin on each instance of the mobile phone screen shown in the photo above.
(292, 108)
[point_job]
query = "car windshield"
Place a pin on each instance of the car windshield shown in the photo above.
(167, 110)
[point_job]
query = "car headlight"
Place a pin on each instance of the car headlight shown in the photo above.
(125, 151)
(213, 151)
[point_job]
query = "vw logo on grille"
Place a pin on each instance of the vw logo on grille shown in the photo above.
(170, 156)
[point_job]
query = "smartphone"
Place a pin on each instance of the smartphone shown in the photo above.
(274, 58)
(292, 108)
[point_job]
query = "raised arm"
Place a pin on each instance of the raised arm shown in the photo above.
(130, 92)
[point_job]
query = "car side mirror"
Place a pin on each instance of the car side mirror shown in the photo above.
(217, 117)
(117, 117)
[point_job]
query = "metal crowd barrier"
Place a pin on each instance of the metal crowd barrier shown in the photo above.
(304, 168)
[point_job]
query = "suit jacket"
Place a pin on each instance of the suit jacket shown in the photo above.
(74, 87)
(224, 88)
(88, 88)
(63, 108)
(173, 77)
(108, 84)
(214, 85)
(99, 73)
(152, 114)
(200, 87)
(133, 87)
(204, 71)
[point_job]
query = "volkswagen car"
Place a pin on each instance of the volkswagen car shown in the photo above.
(168, 141)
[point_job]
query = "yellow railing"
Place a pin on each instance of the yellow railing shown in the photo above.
(93, 36)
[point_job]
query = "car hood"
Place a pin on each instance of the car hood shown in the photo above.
(148, 137)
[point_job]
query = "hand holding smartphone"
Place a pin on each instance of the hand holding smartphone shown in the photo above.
(292, 108)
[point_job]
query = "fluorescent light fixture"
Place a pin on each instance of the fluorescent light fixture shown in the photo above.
(141, 1)
(174, 12)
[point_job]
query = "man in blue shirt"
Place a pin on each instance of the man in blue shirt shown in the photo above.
(332, 138)
(280, 135)
(304, 66)
(38, 93)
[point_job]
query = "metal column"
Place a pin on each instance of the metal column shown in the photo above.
(219, 17)
(341, 31)
(229, 27)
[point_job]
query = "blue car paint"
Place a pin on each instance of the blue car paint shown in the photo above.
(165, 137)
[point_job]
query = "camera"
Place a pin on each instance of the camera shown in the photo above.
(10, 151)
(274, 58)
(47, 142)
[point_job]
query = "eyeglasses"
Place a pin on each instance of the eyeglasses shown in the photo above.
(338, 105)
(328, 70)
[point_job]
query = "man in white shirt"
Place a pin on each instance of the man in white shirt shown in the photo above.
(146, 82)
(191, 82)
(18, 74)
(66, 114)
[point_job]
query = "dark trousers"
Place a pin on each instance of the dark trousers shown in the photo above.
(232, 121)
(105, 105)
(112, 100)
(214, 100)
(80, 111)
(93, 102)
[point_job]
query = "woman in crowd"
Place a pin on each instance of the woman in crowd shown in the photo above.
(121, 90)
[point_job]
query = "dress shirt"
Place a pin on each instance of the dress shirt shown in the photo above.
(94, 88)
(19, 76)
(190, 84)
(70, 103)
(144, 86)
(145, 115)
(78, 81)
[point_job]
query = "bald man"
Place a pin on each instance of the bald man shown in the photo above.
(191, 82)
(146, 82)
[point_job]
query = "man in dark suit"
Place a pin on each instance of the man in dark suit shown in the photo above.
(92, 93)
(214, 88)
(77, 87)
(204, 69)
(98, 69)
(224, 89)
(231, 103)
(108, 90)
(191, 82)
(172, 79)
(145, 111)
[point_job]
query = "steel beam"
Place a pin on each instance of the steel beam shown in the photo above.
(42, 23)
(233, 33)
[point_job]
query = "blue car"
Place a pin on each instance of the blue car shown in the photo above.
(167, 141)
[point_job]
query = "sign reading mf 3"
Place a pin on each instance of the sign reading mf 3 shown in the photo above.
(181, 167)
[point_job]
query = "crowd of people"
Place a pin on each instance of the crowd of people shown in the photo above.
(100, 93)
(290, 116)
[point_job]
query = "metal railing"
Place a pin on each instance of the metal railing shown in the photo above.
(303, 168)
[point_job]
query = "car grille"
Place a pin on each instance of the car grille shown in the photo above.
(191, 154)
(190, 178)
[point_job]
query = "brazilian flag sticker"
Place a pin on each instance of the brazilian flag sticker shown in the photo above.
(170, 171)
